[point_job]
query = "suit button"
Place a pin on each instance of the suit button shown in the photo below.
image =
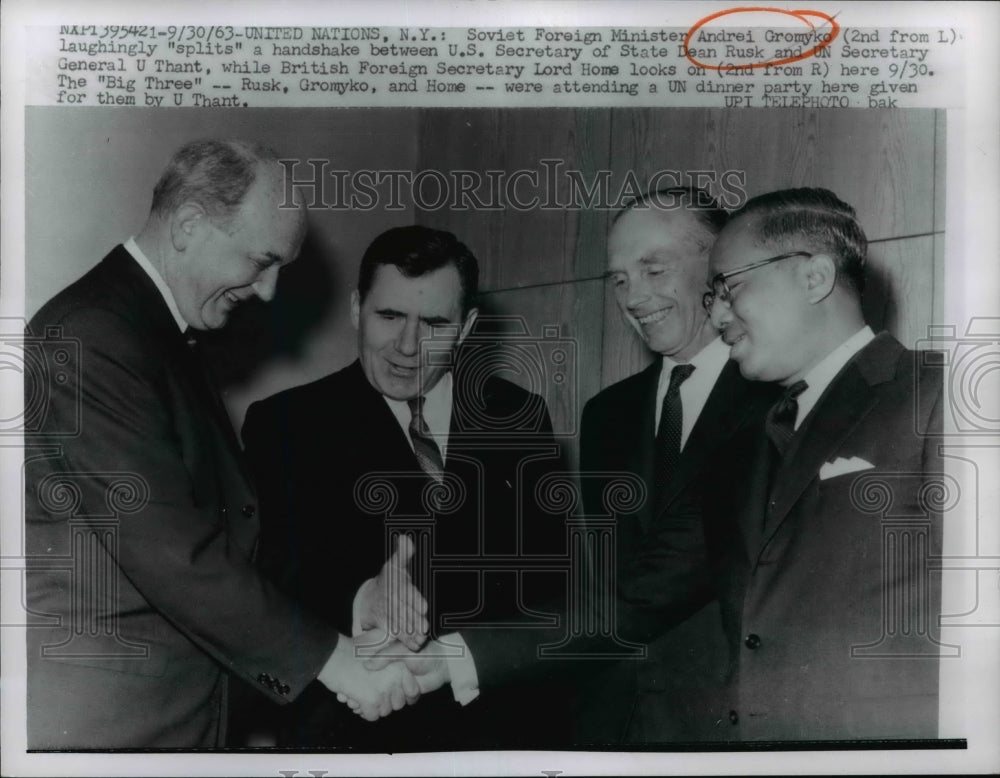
(734, 717)
(249, 511)
(264, 678)
(284, 688)
(752, 641)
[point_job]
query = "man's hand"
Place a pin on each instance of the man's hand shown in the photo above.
(374, 694)
(390, 602)
(429, 666)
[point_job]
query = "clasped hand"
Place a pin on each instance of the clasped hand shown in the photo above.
(392, 615)
(427, 668)
(371, 693)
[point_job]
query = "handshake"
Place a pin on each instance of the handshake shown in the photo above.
(391, 663)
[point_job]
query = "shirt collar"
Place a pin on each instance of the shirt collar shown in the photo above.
(821, 376)
(708, 363)
(168, 297)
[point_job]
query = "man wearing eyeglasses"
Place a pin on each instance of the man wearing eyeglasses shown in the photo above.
(664, 424)
(830, 599)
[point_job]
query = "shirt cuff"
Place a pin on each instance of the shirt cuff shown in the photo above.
(356, 607)
(461, 668)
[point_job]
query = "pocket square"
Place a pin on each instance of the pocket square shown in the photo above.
(841, 466)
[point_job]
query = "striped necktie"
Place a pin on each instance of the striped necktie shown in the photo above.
(426, 450)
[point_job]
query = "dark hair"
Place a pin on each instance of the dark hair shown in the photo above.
(696, 201)
(416, 251)
(827, 224)
(216, 174)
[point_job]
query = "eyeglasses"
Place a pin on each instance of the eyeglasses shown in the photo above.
(722, 292)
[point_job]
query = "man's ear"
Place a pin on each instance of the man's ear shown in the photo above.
(820, 276)
(467, 325)
(184, 223)
(355, 308)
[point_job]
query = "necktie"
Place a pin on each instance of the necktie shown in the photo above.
(668, 436)
(427, 452)
(780, 422)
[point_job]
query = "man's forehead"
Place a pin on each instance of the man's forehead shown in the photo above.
(640, 234)
(279, 230)
(677, 218)
(735, 242)
(429, 292)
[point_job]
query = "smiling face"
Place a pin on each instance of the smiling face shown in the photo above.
(399, 313)
(768, 322)
(219, 268)
(657, 271)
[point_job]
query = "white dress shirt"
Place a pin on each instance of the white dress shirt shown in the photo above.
(708, 364)
(821, 376)
(436, 412)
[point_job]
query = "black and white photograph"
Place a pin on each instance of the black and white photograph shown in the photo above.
(437, 392)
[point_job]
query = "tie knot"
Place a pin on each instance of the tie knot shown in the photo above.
(417, 421)
(678, 376)
(787, 406)
(780, 422)
(792, 392)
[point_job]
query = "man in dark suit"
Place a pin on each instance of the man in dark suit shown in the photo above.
(829, 513)
(665, 430)
(657, 264)
(141, 520)
(352, 462)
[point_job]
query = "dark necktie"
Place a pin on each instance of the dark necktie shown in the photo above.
(427, 452)
(668, 436)
(780, 422)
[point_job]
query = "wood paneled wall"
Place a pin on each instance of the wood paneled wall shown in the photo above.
(545, 265)
(90, 171)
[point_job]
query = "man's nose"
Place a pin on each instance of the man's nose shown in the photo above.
(266, 284)
(408, 340)
(636, 295)
(721, 313)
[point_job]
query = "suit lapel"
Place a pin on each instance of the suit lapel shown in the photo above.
(378, 425)
(148, 309)
(727, 405)
(639, 428)
(752, 493)
(846, 402)
(200, 374)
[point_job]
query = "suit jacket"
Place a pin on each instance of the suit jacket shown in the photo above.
(667, 579)
(140, 527)
(665, 574)
(312, 448)
(831, 603)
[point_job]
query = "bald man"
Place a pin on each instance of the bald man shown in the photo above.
(161, 607)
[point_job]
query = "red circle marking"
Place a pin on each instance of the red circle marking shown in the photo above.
(800, 15)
